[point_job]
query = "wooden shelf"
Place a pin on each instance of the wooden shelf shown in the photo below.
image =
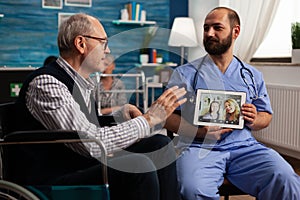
(132, 22)
(157, 65)
(30, 68)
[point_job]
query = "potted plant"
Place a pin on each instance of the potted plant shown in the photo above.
(295, 42)
(159, 58)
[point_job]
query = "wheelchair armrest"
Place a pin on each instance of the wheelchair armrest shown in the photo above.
(41, 135)
(107, 120)
(56, 136)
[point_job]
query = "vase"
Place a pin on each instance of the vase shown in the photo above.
(144, 58)
(159, 59)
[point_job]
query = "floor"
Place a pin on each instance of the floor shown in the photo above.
(295, 164)
(241, 197)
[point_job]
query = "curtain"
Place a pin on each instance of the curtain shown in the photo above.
(256, 19)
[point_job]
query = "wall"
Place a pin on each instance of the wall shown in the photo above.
(28, 31)
(198, 9)
(281, 74)
(178, 8)
(284, 74)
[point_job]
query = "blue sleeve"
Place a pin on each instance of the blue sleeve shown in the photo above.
(175, 79)
(263, 103)
(183, 77)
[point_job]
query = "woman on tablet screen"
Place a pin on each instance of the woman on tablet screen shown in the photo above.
(232, 111)
(213, 112)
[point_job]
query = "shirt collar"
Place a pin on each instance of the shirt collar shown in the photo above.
(79, 80)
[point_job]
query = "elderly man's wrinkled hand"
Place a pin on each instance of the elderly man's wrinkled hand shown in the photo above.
(130, 111)
(164, 106)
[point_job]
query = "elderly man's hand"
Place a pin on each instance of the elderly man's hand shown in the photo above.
(130, 111)
(164, 106)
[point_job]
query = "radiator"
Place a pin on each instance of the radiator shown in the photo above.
(283, 134)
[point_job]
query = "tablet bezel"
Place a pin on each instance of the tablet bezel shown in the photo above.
(220, 96)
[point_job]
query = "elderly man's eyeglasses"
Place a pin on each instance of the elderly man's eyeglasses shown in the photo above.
(104, 41)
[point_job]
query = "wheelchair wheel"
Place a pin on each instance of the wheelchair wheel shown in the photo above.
(12, 191)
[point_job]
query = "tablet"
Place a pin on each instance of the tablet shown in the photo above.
(219, 108)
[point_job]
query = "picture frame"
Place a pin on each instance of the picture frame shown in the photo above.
(219, 108)
(52, 4)
(79, 3)
(63, 16)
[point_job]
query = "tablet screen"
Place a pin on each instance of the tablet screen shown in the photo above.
(219, 108)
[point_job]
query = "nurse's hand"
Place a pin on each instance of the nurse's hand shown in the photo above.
(249, 112)
(213, 132)
(255, 120)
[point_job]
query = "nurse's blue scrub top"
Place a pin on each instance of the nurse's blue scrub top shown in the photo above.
(210, 77)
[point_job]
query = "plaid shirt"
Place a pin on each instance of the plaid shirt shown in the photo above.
(111, 99)
(51, 103)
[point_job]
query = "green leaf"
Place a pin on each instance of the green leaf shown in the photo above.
(295, 33)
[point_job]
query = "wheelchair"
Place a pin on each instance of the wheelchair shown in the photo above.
(49, 143)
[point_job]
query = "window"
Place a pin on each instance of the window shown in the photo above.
(278, 41)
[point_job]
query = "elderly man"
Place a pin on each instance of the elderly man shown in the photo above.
(58, 96)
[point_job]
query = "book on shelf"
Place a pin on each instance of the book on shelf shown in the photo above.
(137, 11)
(134, 10)
(133, 4)
(128, 6)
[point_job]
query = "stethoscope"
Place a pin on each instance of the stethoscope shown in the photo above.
(244, 72)
(253, 90)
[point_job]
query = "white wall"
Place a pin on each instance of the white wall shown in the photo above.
(281, 74)
(276, 74)
(198, 9)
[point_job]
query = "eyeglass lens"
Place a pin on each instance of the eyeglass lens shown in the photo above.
(103, 41)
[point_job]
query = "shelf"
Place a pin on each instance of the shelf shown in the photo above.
(30, 68)
(157, 65)
(119, 22)
(154, 85)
